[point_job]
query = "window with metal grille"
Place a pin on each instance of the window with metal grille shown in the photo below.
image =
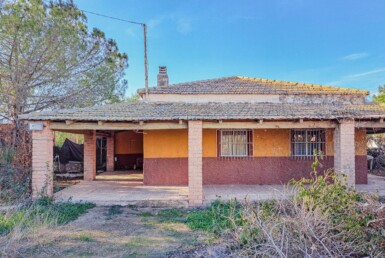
(235, 143)
(307, 142)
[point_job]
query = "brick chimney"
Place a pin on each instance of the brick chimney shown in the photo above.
(162, 77)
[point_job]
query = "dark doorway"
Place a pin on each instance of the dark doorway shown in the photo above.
(101, 153)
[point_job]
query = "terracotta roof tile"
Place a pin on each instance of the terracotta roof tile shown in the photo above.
(147, 111)
(247, 85)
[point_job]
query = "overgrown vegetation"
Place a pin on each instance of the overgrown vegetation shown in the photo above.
(14, 178)
(42, 211)
(33, 219)
(319, 219)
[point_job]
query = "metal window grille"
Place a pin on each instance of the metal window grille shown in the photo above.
(235, 143)
(305, 143)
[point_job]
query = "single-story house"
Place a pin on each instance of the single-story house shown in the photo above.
(233, 130)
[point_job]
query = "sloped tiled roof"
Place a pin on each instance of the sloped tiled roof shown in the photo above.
(150, 111)
(247, 85)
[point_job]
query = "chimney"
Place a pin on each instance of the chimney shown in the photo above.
(162, 77)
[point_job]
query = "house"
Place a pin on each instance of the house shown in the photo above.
(233, 130)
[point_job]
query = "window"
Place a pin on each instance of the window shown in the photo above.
(235, 143)
(304, 142)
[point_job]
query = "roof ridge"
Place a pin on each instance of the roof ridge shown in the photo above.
(298, 83)
(206, 80)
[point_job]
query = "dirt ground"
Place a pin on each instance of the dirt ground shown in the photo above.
(115, 232)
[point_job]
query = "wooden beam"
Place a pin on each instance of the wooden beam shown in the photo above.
(220, 121)
(370, 124)
(100, 122)
(87, 132)
(181, 122)
(269, 125)
(260, 121)
(116, 126)
(300, 120)
(141, 122)
(70, 122)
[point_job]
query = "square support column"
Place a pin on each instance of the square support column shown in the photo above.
(195, 181)
(42, 162)
(90, 156)
(111, 152)
(344, 150)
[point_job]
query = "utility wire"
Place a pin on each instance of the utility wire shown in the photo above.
(114, 18)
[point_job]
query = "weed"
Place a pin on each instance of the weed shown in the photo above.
(171, 215)
(145, 214)
(114, 210)
(86, 238)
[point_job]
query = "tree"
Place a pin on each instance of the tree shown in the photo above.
(49, 59)
(380, 97)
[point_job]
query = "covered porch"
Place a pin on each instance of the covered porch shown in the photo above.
(113, 188)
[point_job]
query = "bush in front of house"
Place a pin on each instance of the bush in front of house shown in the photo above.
(318, 219)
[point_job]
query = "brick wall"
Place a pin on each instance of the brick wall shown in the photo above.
(111, 152)
(90, 156)
(344, 150)
(42, 162)
(195, 180)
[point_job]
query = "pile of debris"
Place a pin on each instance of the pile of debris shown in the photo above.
(69, 160)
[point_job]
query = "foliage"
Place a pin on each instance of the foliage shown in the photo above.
(322, 217)
(44, 209)
(14, 180)
(170, 215)
(50, 59)
(216, 218)
(60, 137)
(380, 97)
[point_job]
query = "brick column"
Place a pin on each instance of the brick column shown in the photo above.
(195, 182)
(344, 151)
(90, 156)
(42, 162)
(111, 152)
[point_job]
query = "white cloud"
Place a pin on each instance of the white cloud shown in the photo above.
(355, 56)
(357, 75)
(183, 25)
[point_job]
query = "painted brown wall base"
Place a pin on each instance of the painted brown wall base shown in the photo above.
(268, 170)
(127, 161)
(361, 169)
(165, 171)
(260, 170)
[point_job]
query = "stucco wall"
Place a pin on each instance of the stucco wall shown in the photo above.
(128, 149)
(166, 155)
(258, 98)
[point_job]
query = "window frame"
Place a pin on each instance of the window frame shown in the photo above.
(249, 143)
(320, 143)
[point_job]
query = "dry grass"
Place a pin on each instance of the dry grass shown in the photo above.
(108, 232)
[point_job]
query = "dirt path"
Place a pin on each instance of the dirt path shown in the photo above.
(114, 232)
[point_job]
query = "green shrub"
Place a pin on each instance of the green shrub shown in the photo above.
(219, 216)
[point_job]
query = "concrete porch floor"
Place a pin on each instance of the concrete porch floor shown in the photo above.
(126, 188)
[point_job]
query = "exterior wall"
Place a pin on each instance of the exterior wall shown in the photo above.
(258, 98)
(128, 149)
(195, 182)
(111, 152)
(90, 156)
(204, 98)
(165, 157)
(42, 162)
(271, 163)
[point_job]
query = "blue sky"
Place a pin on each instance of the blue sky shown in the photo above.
(339, 43)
